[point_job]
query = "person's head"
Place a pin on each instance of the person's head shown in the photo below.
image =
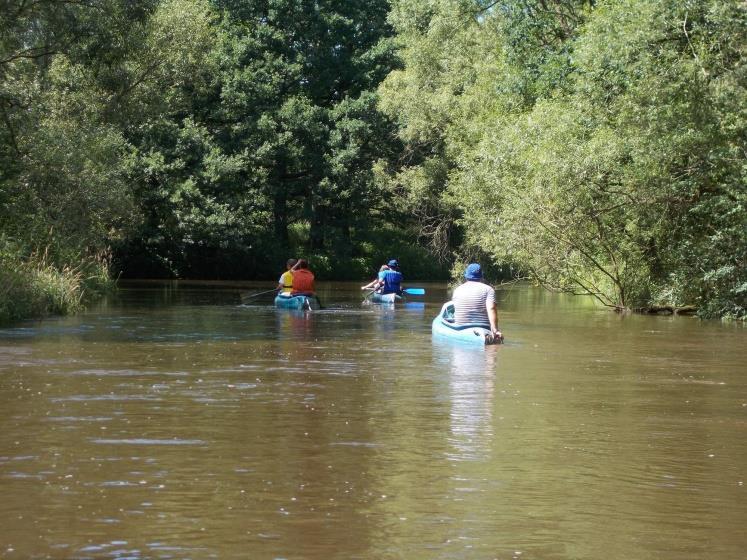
(393, 264)
(290, 263)
(473, 272)
(302, 264)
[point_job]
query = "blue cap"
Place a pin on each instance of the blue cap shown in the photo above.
(473, 272)
(393, 263)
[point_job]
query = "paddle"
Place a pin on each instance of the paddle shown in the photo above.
(245, 296)
(411, 291)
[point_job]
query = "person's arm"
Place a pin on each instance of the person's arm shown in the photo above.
(373, 284)
(492, 307)
(493, 317)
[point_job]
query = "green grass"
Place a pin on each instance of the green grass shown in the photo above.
(33, 287)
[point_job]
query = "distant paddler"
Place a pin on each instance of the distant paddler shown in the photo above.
(302, 292)
(388, 281)
(303, 279)
(387, 287)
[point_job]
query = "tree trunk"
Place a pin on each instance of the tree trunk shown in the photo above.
(280, 217)
(316, 232)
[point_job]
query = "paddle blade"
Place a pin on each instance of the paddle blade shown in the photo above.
(415, 291)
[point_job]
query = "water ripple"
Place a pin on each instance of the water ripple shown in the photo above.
(122, 373)
(107, 398)
(148, 441)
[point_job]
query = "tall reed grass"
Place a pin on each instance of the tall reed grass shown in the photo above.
(35, 287)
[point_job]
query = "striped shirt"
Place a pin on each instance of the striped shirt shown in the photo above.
(471, 302)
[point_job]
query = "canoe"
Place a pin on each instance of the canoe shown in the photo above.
(297, 302)
(386, 298)
(443, 326)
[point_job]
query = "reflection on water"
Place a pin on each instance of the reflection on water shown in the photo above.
(177, 423)
(471, 384)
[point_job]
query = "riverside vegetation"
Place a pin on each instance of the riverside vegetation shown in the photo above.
(597, 147)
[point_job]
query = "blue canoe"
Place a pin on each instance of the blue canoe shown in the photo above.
(297, 302)
(386, 298)
(443, 325)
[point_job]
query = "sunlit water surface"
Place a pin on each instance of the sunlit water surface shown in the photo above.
(173, 422)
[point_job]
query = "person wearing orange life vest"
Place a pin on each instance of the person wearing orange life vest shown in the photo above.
(303, 279)
(285, 284)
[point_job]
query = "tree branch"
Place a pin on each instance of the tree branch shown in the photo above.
(11, 131)
(692, 49)
(30, 53)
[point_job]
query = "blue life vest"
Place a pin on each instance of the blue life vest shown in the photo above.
(392, 280)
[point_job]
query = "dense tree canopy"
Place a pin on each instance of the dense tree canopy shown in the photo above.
(595, 146)
(284, 132)
(599, 146)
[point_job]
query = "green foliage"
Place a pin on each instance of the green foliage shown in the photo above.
(75, 80)
(392, 242)
(192, 137)
(64, 187)
(34, 287)
(280, 128)
(597, 146)
(374, 247)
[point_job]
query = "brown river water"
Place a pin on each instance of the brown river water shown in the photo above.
(173, 422)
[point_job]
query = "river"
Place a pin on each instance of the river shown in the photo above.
(172, 422)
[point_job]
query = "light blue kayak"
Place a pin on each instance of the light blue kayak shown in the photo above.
(297, 302)
(443, 326)
(386, 298)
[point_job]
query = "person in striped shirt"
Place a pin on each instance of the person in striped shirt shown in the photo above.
(474, 301)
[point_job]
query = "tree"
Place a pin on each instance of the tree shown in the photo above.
(62, 183)
(599, 143)
(282, 136)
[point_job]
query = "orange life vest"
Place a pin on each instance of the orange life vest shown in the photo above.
(303, 281)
